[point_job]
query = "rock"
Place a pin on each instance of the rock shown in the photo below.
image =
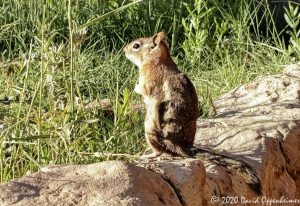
(257, 123)
(186, 176)
(107, 184)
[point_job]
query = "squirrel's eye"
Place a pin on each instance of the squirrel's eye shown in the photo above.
(136, 45)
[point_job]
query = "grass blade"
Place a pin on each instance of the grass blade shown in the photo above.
(104, 16)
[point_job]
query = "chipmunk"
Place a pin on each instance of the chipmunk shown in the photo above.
(170, 97)
(172, 106)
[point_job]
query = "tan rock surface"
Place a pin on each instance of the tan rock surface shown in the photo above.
(258, 123)
(104, 184)
(187, 177)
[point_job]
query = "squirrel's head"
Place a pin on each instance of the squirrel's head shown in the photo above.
(153, 50)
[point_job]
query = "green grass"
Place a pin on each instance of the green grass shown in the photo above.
(53, 74)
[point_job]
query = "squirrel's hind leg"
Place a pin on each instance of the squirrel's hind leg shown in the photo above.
(175, 149)
(154, 145)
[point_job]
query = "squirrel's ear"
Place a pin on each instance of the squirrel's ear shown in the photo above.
(160, 37)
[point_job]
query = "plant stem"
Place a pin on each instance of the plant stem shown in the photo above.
(71, 55)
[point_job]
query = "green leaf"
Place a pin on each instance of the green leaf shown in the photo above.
(288, 21)
(296, 11)
(90, 121)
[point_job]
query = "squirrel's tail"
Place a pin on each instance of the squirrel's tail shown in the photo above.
(240, 166)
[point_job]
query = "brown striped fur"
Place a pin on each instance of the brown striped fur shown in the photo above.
(170, 97)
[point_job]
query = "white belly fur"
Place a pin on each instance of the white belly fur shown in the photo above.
(152, 112)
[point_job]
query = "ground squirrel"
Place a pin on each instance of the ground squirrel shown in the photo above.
(172, 107)
(170, 97)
